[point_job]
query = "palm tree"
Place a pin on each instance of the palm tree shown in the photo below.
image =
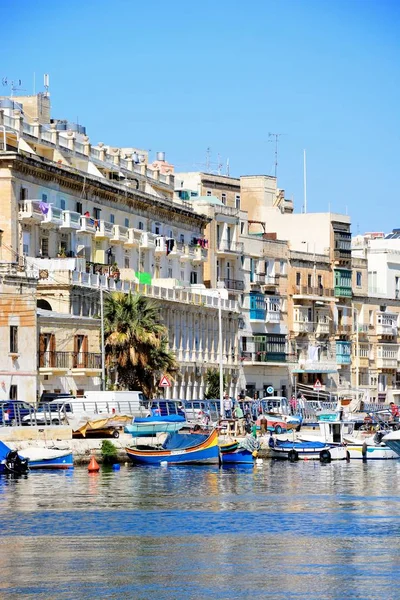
(136, 341)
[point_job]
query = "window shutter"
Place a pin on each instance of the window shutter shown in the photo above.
(52, 347)
(42, 348)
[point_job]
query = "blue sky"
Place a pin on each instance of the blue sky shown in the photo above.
(183, 76)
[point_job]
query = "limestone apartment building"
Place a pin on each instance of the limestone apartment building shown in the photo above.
(251, 266)
(76, 217)
(376, 285)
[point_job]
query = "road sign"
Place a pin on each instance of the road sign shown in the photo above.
(164, 382)
(317, 385)
(270, 389)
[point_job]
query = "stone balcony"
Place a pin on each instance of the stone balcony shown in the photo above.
(120, 235)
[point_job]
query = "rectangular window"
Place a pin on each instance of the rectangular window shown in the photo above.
(320, 281)
(126, 261)
(14, 339)
(44, 197)
(182, 238)
(44, 247)
(241, 226)
(157, 228)
(79, 207)
(141, 226)
(209, 193)
(96, 213)
(13, 392)
(80, 351)
(112, 219)
(170, 272)
(309, 280)
(62, 204)
(298, 278)
(358, 278)
(23, 193)
(193, 277)
(237, 201)
(223, 199)
(126, 222)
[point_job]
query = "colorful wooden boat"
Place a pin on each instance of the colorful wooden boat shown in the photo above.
(178, 448)
(48, 458)
(148, 426)
(232, 453)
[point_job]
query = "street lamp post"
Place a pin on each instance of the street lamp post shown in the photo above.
(221, 372)
(356, 331)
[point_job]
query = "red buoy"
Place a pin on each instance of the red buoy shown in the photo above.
(93, 466)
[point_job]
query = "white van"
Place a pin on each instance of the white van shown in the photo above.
(108, 402)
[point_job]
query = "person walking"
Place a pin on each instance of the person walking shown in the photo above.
(227, 406)
(240, 417)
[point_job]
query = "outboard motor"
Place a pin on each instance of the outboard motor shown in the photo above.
(378, 437)
(14, 464)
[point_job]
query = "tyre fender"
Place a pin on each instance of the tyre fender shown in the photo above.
(325, 456)
(293, 455)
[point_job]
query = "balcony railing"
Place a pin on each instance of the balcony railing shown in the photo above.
(306, 290)
(343, 291)
(29, 210)
(303, 326)
(322, 328)
(234, 284)
(263, 357)
(229, 211)
(104, 229)
(272, 316)
(134, 237)
(257, 314)
(88, 225)
(386, 363)
(343, 329)
(53, 359)
(386, 323)
(53, 217)
(71, 220)
(343, 359)
(120, 234)
(229, 246)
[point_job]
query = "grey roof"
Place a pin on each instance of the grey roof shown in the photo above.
(50, 314)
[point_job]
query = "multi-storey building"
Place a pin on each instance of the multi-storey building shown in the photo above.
(79, 218)
(18, 331)
(320, 289)
(252, 267)
(376, 281)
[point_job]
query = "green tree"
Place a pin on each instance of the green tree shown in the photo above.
(136, 342)
(212, 384)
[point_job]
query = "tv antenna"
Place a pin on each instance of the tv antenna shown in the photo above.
(276, 136)
(46, 83)
(14, 85)
(208, 157)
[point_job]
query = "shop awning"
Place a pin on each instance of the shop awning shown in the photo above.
(314, 370)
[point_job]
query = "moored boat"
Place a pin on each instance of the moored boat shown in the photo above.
(148, 426)
(239, 452)
(392, 440)
(306, 450)
(48, 458)
(178, 448)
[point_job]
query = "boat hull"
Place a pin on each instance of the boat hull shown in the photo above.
(364, 452)
(239, 456)
(47, 458)
(309, 451)
(206, 452)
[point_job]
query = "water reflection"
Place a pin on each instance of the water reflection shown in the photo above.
(283, 530)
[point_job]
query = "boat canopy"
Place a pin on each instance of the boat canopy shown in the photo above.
(182, 441)
(160, 419)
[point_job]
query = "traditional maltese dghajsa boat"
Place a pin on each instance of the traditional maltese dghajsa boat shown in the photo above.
(178, 448)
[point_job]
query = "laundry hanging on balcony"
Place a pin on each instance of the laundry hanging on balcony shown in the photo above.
(44, 208)
(313, 353)
(169, 244)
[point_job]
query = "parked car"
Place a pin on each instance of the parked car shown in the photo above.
(13, 412)
(49, 413)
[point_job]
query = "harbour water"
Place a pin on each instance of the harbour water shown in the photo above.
(302, 530)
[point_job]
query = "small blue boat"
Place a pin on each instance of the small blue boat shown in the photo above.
(148, 426)
(178, 448)
(48, 458)
(239, 452)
